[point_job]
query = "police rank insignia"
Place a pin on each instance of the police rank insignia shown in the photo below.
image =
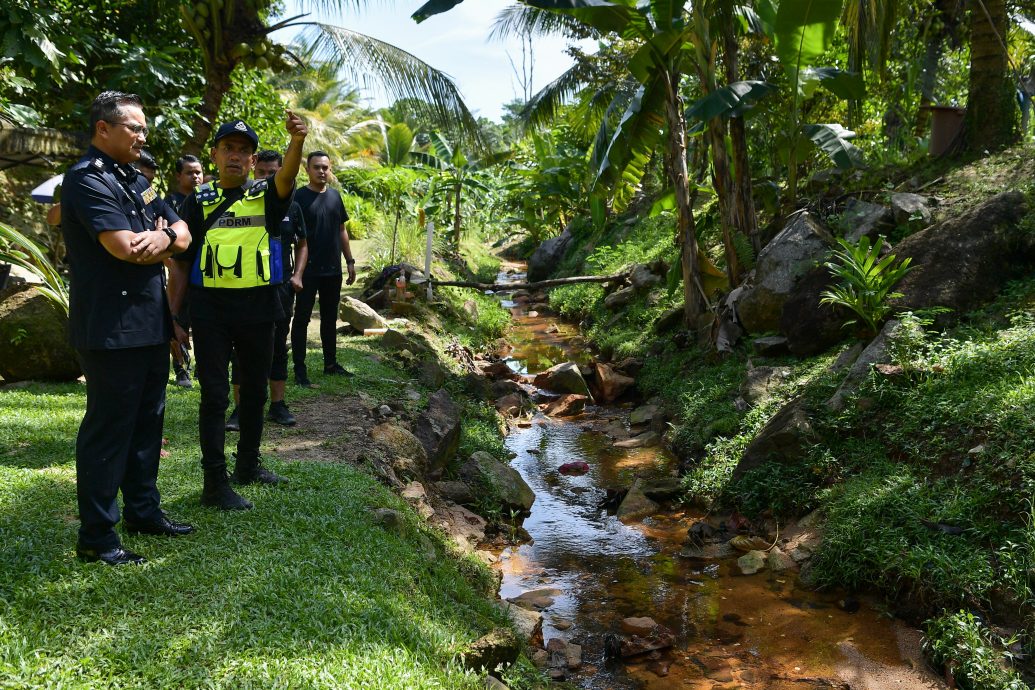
(149, 195)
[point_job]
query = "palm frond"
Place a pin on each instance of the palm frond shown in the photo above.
(524, 20)
(392, 71)
(542, 109)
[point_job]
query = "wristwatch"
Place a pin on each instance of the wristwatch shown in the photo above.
(171, 234)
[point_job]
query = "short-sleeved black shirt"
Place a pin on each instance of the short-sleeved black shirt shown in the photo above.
(113, 304)
(292, 228)
(236, 305)
(324, 214)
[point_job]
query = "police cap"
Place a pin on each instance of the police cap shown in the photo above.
(237, 127)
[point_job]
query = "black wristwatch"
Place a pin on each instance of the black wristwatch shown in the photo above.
(171, 234)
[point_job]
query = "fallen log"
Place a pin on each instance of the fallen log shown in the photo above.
(555, 282)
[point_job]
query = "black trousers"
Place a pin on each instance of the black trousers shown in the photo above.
(120, 440)
(278, 369)
(329, 289)
(213, 343)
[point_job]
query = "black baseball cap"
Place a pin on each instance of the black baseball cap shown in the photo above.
(237, 127)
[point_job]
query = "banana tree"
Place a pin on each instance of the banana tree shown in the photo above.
(398, 144)
(456, 173)
(233, 32)
(652, 116)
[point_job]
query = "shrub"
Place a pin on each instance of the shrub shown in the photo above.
(867, 281)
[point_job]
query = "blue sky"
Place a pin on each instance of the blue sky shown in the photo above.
(456, 43)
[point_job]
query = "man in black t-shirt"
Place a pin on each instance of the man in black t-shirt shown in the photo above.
(233, 267)
(188, 176)
(328, 240)
(117, 233)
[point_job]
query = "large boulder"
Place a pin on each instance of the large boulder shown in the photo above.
(784, 438)
(864, 219)
(359, 315)
(407, 455)
(810, 326)
(498, 649)
(780, 265)
(910, 209)
(34, 339)
(963, 262)
(641, 276)
(610, 383)
(636, 505)
(563, 378)
(877, 352)
(548, 255)
(501, 479)
(438, 429)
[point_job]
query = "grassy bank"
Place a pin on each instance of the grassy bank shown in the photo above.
(925, 481)
(306, 590)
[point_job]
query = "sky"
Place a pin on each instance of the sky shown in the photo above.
(456, 43)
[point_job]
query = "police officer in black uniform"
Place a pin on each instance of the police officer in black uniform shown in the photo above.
(119, 324)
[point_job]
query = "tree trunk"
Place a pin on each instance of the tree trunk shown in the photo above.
(743, 197)
(541, 284)
(991, 120)
(217, 85)
(456, 219)
(686, 232)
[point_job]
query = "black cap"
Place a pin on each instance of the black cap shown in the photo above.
(237, 127)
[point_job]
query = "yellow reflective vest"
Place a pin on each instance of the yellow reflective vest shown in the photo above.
(238, 251)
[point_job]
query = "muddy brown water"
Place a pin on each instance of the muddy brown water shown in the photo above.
(732, 631)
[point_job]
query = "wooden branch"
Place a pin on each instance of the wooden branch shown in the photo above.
(499, 287)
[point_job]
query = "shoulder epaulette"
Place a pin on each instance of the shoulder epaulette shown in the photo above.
(207, 193)
(256, 189)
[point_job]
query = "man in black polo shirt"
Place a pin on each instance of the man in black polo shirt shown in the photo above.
(328, 240)
(119, 324)
(233, 267)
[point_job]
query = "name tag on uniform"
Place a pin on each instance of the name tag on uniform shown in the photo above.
(229, 220)
(148, 195)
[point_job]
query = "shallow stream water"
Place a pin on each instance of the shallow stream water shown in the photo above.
(732, 631)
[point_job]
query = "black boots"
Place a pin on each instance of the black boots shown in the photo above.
(217, 492)
(252, 472)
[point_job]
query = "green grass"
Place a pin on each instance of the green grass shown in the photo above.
(303, 591)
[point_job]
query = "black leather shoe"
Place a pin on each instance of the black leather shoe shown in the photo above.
(163, 527)
(337, 370)
(280, 414)
(303, 381)
(233, 423)
(114, 556)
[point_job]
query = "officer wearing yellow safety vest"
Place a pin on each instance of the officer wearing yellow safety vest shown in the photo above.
(232, 268)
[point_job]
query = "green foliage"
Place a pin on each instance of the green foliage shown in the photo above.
(867, 281)
(971, 653)
(254, 99)
(19, 250)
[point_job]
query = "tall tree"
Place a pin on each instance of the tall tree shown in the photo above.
(230, 32)
(991, 120)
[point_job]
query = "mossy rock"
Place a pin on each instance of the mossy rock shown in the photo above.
(34, 339)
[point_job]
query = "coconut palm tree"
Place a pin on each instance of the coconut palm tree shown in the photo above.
(338, 122)
(233, 32)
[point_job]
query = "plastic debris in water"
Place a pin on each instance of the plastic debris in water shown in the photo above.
(574, 469)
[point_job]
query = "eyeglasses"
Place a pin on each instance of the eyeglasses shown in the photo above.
(131, 126)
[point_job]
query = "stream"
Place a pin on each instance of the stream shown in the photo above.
(731, 630)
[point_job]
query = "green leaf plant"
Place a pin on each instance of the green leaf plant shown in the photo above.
(20, 250)
(866, 282)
